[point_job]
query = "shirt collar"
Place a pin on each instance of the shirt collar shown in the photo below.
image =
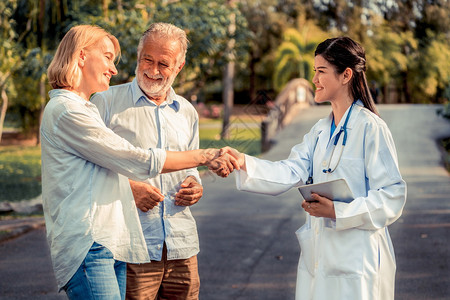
(69, 95)
(138, 95)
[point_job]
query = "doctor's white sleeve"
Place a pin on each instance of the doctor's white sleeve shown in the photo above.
(274, 178)
(386, 195)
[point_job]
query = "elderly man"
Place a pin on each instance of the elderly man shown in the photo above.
(148, 113)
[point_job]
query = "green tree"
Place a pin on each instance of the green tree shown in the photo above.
(266, 21)
(390, 55)
(9, 55)
(295, 55)
(206, 24)
(128, 26)
(31, 78)
(432, 69)
(38, 26)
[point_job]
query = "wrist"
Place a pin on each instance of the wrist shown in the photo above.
(193, 177)
(207, 155)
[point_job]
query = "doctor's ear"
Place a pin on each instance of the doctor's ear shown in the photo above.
(347, 75)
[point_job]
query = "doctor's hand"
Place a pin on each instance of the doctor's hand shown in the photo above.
(190, 192)
(324, 207)
(222, 163)
(240, 157)
(145, 195)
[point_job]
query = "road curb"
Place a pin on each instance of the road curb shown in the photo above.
(12, 228)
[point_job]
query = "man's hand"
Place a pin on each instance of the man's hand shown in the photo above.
(191, 191)
(321, 207)
(145, 195)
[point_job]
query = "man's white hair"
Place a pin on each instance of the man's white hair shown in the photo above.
(165, 31)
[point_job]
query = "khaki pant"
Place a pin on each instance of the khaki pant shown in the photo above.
(165, 279)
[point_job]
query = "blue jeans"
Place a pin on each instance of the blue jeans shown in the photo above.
(100, 276)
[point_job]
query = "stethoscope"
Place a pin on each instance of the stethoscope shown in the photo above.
(336, 139)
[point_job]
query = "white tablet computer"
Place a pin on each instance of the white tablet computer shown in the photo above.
(336, 190)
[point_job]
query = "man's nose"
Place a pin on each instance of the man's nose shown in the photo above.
(153, 69)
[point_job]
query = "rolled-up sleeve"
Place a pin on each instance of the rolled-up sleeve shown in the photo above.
(274, 178)
(194, 145)
(88, 137)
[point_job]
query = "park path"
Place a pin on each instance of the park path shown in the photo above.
(248, 247)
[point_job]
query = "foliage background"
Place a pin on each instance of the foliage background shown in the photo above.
(407, 44)
(20, 173)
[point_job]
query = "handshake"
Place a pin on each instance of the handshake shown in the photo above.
(224, 161)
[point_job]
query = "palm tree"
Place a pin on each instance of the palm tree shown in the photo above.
(295, 56)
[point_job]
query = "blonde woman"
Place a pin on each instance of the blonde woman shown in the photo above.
(91, 219)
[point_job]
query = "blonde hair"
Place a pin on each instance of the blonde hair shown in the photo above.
(63, 71)
(165, 31)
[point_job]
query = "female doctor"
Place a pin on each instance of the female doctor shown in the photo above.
(346, 251)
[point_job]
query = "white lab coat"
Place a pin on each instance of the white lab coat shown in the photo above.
(351, 257)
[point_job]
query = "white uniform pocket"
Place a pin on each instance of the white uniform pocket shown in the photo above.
(342, 252)
(307, 258)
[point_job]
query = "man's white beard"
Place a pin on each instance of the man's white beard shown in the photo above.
(151, 89)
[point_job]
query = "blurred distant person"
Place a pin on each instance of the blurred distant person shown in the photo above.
(374, 91)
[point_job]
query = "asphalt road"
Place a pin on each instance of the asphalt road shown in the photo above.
(248, 247)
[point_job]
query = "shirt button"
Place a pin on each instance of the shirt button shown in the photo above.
(159, 247)
(324, 163)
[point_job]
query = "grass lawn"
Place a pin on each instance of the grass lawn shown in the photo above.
(20, 172)
(20, 166)
(243, 138)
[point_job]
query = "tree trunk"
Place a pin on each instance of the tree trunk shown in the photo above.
(3, 111)
(405, 87)
(252, 79)
(227, 79)
(40, 23)
(385, 94)
(105, 4)
(228, 100)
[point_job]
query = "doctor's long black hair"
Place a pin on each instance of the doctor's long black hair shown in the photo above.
(343, 53)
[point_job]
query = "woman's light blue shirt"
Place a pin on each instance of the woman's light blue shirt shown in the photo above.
(85, 199)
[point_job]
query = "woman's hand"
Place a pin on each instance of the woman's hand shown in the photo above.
(221, 163)
(322, 207)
